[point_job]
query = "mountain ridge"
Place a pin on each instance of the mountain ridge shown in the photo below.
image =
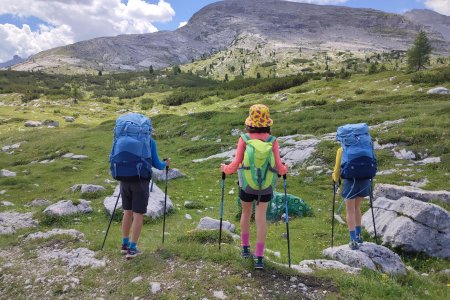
(218, 25)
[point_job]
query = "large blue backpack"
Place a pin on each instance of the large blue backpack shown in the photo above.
(131, 155)
(358, 158)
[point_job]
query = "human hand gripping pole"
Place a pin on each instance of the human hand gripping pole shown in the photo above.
(221, 209)
(165, 202)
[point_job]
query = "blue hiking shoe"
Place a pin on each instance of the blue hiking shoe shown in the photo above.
(359, 238)
(124, 249)
(132, 253)
(259, 264)
(353, 245)
(245, 253)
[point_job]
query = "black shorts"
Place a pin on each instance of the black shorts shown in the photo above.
(250, 197)
(135, 195)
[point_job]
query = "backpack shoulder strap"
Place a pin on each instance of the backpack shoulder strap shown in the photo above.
(245, 137)
(271, 139)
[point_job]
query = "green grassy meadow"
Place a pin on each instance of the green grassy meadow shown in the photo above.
(310, 108)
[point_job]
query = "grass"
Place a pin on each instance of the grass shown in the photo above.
(310, 109)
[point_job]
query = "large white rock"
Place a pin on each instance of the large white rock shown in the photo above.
(404, 154)
(87, 188)
(308, 266)
(411, 225)
(7, 173)
(10, 221)
(67, 208)
(155, 207)
(80, 257)
(395, 192)
(56, 231)
(228, 155)
(297, 152)
(439, 90)
(33, 124)
(210, 223)
(160, 175)
(369, 255)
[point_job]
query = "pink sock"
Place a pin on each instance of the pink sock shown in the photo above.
(259, 252)
(245, 239)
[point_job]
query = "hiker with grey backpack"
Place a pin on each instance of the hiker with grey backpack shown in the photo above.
(258, 163)
(355, 167)
(133, 154)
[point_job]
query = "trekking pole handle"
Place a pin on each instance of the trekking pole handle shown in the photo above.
(284, 176)
(223, 175)
(165, 159)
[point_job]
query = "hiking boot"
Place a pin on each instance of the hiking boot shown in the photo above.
(359, 238)
(124, 249)
(353, 245)
(245, 253)
(259, 265)
(132, 253)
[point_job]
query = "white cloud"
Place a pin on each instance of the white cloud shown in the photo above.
(440, 6)
(75, 20)
(182, 24)
(319, 1)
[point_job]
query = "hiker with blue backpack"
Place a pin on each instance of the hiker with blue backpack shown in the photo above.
(356, 165)
(258, 163)
(133, 154)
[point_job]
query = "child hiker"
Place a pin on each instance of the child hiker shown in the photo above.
(257, 157)
(132, 156)
(356, 165)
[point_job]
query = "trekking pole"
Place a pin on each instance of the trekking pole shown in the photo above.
(110, 220)
(165, 204)
(221, 209)
(287, 219)
(332, 214)
(371, 207)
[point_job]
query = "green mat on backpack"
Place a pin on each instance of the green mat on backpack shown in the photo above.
(297, 207)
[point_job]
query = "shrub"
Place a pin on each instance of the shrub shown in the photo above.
(314, 102)
(147, 103)
(359, 91)
(435, 77)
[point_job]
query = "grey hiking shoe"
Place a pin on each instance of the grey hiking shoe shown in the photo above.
(132, 253)
(259, 264)
(359, 238)
(245, 253)
(124, 249)
(353, 245)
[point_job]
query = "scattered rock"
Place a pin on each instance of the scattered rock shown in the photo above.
(67, 208)
(210, 223)
(6, 173)
(2, 192)
(229, 155)
(10, 221)
(137, 279)
(155, 207)
(296, 152)
(51, 123)
(387, 172)
(33, 124)
(428, 160)
(340, 100)
(68, 155)
(236, 132)
(369, 255)
(378, 146)
(411, 225)
(79, 157)
(339, 219)
(439, 91)
(392, 78)
(308, 266)
(7, 203)
(11, 147)
(87, 188)
(40, 202)
(395, 192)
(386, 124)
(79, 236)
(69, 119)
(155, 287)
(79, 257)
(404, 154)
(160, 175)
(188, 216)
(219, 295)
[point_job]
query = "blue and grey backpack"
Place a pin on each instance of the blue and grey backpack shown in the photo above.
(358, 158)
(131, 157)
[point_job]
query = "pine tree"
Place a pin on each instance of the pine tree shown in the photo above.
(150, 69)
(419, 54)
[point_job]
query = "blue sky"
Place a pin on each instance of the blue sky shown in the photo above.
(30, 26)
